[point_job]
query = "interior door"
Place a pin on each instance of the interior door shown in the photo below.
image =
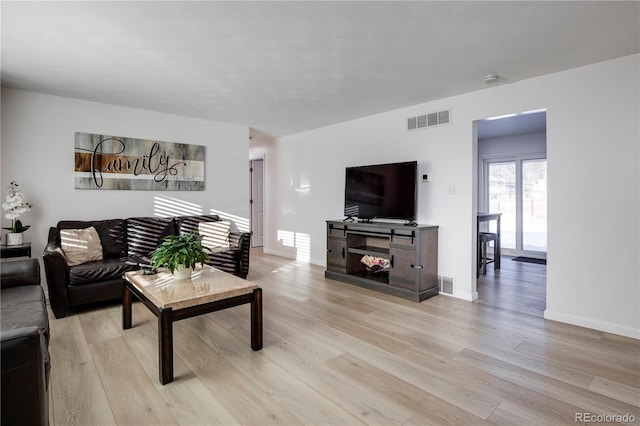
(257, 202)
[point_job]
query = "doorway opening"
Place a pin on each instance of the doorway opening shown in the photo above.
(512, 181)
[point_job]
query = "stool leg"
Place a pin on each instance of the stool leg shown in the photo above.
(484, 258)
(479, 255)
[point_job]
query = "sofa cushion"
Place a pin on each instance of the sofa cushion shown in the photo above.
(19, 273)
(100, 270)
(144, 234)
(81, 245)
(189, 224)
(215, 235)
(24, 306)
(112, 234)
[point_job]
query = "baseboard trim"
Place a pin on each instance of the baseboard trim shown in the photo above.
(607, 327)
(278, 253)
(469, 297)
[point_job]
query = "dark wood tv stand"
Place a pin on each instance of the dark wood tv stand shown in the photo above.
(412, 250)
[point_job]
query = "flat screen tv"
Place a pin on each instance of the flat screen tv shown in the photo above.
(381, 191)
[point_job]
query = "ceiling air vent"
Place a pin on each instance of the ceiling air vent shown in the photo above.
(429, 120)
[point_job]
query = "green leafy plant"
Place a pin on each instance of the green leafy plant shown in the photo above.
(17, 227)
(175, 250)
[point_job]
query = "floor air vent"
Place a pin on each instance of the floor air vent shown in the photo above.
(445, 284)
(429, 120)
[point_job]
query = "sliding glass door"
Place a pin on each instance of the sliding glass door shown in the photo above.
(502, 199)
(517, 188)
(534, 205)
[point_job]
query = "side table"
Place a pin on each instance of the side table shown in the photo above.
(20, 250)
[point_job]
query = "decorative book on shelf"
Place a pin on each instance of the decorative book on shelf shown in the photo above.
(376, 264)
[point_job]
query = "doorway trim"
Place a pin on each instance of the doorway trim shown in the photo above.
(257, 218)
(477, 180)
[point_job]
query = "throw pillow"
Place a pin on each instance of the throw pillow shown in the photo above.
(215, 235)
(81, 245)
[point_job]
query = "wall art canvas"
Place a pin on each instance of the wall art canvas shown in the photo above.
(114, 162)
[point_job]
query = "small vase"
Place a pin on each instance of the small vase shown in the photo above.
(182, 273)
(14, 238)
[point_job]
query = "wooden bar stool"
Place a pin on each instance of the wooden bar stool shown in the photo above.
(483, 239)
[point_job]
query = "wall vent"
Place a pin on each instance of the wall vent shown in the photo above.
(443, 117)
(429, 120)
(445, 284)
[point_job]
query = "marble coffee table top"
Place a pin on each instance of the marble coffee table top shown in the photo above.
(207, 284)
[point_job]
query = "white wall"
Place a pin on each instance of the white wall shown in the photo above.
(38, 152)
(594, 185)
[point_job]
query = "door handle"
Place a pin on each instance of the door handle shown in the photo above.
(343, 252)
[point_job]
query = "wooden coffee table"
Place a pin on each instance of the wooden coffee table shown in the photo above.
(170, 300)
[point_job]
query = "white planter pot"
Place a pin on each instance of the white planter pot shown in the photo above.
(182, 273)
(14, 239)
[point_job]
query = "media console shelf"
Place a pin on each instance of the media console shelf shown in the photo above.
(411, 250)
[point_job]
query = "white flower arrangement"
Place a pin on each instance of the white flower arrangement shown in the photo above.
(15, 205)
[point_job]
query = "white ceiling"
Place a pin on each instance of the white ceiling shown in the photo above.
(285, 67)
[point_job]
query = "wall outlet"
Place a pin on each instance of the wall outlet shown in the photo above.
(452, 189)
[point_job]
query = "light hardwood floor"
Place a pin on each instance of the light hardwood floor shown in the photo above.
(519, 286)
(338, 354)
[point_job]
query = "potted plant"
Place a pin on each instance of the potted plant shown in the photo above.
(180, 254)
(15, 205)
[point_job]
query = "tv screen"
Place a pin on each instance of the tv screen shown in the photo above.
(381, 191)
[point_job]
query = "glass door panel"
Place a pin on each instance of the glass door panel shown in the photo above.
(502, 199)
(534, 205)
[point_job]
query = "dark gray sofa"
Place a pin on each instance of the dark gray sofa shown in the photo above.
(24, 335)
(126, 243)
